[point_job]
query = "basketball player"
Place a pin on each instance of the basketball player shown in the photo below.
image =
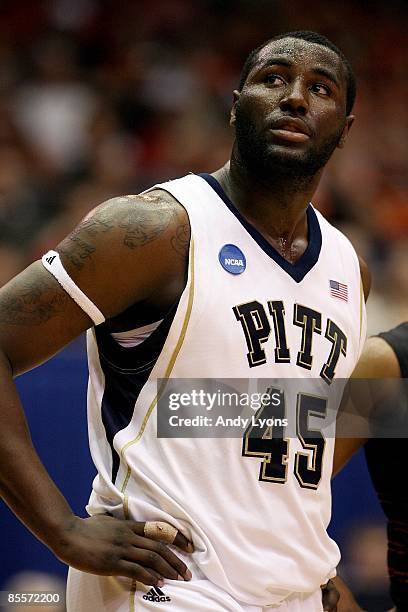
(384, 357)
(228, 275)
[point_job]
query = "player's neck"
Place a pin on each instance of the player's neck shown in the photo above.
(277, 208)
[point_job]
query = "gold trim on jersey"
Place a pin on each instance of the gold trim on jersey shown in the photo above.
(133, 589)
(166, 375)
(126, 506)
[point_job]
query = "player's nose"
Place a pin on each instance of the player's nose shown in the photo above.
(294, 98)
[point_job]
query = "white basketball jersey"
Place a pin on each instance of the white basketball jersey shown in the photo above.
(256, 510)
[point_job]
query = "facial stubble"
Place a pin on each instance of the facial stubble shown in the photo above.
(267, 162)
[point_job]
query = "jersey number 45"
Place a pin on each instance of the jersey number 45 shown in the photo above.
(265, 437)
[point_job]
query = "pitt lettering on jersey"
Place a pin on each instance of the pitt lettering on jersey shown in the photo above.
(257, 329)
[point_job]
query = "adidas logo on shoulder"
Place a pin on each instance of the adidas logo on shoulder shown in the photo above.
(156, 594)
(50, 259)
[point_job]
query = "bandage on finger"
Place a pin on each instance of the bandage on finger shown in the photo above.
(159, 530)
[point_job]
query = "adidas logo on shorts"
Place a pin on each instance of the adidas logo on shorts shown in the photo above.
(155, 594)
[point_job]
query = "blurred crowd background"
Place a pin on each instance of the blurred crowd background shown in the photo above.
(100, 98)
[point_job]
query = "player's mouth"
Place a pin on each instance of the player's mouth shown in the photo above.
(293, 130)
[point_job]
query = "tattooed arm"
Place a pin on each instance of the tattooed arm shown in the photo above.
(128, 249)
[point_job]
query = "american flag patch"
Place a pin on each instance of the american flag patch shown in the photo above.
(339, 290)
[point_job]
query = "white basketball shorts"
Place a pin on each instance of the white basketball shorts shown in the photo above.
(87, 592)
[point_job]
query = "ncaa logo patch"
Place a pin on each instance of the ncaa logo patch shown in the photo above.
(232, 259)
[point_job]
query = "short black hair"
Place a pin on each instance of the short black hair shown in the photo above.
(312, 37)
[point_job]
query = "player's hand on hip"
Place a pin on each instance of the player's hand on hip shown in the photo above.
(108, 546)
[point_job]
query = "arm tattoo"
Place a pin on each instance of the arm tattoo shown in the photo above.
(78, 252)
(145, 224)
(33, 303)
(75, 248)
(181, 240)
(141, 222)
(141, 228)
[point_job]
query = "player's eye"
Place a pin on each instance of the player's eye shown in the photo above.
(273, 79)
(321, 89)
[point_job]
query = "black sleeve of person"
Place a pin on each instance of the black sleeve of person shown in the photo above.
(387, 461)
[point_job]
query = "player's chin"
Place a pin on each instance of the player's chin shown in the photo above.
(287, 153)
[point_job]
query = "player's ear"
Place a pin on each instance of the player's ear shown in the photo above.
(235, 97)
(343, 137)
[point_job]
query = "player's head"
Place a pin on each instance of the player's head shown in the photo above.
(297, 82)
